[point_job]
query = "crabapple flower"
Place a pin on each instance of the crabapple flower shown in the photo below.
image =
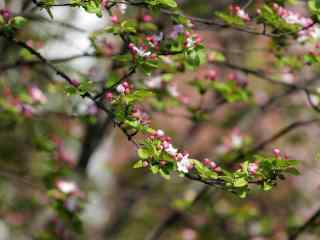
(6, 14)
(276, 152)
(253, 168)
(236, 139)
(147, 18)
(154, 83)
(114, 19)
(139, 51)
(108, 96)
(173, 90)
(292, 17)
(123, 88)
(189, 234)
(160, 133)
(192, 40)
(211, 74)
(184, 163)
(37, 95)
(67, 187)
(104, 3)
(177, 29)
(122, 7)
(27, 110)
(168, 148)
(236, 10)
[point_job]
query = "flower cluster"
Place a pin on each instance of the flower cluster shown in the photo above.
(37, 95)
(211, 165)
(192, 40)
(140, 51)
(141, 116)
(25, 108)
(236, 10)
(277, 154)
(155, 40)
(292, 17)
(211, 75)
(253, 168)
(184, 163)
(123, 88)
(5, 14)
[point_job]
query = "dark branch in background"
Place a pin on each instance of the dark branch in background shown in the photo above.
(30, 63)
(174, 217)
(63, 75)
(309, 224)
(92, 139)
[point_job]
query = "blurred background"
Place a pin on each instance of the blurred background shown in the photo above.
(66, 136)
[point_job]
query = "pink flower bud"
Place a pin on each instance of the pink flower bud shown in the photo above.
(75, 82)
(37, 95)
(276, 152)
(253, 168)
(145, 164)
(213, 165)
(108, 96)
(114, 19)
(6, 14)
(147, 18)
(104, 3)
(211, 74)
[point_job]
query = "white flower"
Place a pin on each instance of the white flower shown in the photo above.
(37, 95)
(122, 7)
(172, 89)
(140, 51)
(170, 149)
(185, 164)
(67, 186)
(236, 140)
(121, 89)
(315, 33)
(315, 99)
(154, 83)
(190, 42)
(243, 15)
(253, 168)
(160, 133)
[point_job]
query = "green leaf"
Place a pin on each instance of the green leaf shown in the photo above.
(112, 80)
(138, 164)
(154, 169)
(293, 171)
(266, 186)
(229, 19)
(203, 171)
(240, 182)
(92, 6)
(18, 22)
(169, 3)
(143, 153)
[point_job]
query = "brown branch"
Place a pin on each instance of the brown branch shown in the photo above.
(310, 223)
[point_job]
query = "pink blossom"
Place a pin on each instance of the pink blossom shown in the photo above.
(121, 89)
(184, 164)
(253, 168)
(67, 187)
(147, 18)
(6, 14)
(37, 95)
(276, 152)
(104, 3)
(108, 96)
(211, 74)
(114, 19)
